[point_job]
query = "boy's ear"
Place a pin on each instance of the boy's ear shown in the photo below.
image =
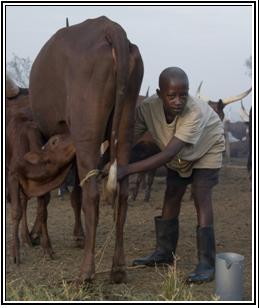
(158, 92)
(32, 158)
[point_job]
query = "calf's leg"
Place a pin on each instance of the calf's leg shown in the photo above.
(16, 214)
(42, 212)
(25, 235)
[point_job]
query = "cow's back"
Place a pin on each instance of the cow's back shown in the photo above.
(68, 58)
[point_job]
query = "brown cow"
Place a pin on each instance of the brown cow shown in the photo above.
(31, 172)
(86, 81)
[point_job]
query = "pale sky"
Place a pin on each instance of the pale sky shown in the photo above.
(211, 43)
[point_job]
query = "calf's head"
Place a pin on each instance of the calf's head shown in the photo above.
(43, 170)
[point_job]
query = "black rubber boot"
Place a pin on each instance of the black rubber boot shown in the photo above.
(166, 241)
(205, 269)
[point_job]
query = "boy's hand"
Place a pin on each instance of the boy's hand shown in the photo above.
(122, 172)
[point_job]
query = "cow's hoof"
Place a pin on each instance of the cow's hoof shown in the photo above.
(16, 260)
(26, 239)
(86, 277)
(35, 239)
(79, 242)
(118, 275)
(132, 198)
(49, 253)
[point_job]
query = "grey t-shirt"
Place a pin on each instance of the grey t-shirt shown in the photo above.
(198, 125)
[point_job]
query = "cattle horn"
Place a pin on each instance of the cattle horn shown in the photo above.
(198, 92)
(67, 23)
(236, 98)
(11, 88)
(244, 110)
(243, 113)
(147, 94)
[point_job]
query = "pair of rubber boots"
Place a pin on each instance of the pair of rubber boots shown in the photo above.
(167, 232)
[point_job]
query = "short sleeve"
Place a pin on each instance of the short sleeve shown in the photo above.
(140, 125)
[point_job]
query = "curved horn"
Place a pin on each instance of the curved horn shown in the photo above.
(236, 98)
(67, 23)
(201, 97)
(11, 88)
(198, 94)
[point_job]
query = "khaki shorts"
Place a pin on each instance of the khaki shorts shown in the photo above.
(199, 178)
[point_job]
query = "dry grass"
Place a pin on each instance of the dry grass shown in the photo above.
(40, 279)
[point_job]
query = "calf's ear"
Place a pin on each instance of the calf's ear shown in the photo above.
(32, 158)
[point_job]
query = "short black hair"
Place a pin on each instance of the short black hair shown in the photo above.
(173, 73)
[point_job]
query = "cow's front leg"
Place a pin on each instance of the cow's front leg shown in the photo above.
(118, 273)
(90, 198)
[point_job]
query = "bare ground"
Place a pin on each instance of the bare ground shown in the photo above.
(233, 227)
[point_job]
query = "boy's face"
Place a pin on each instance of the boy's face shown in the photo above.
(174, 94)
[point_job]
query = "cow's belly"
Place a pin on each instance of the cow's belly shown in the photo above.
(48, 104)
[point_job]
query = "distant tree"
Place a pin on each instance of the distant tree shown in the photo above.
(19, 70)
(248, 64)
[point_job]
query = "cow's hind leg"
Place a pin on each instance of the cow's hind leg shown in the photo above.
(125, 138)
(76, 203)
(136, 186)
(118, 273)
(90, 198)
(88, 156)
(150, 179)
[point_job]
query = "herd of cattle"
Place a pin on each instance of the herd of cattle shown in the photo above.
(84, 87)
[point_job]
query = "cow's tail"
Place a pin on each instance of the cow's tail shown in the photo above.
(117, 38)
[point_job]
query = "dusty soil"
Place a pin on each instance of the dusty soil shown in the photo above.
(233, 227)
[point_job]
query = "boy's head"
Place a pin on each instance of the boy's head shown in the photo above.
(173, 89)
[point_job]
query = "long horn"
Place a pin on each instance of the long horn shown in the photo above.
(67, 23)
(236, 98)
(201, 97)
(198, 94)
(147, 94)
(11, 88)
